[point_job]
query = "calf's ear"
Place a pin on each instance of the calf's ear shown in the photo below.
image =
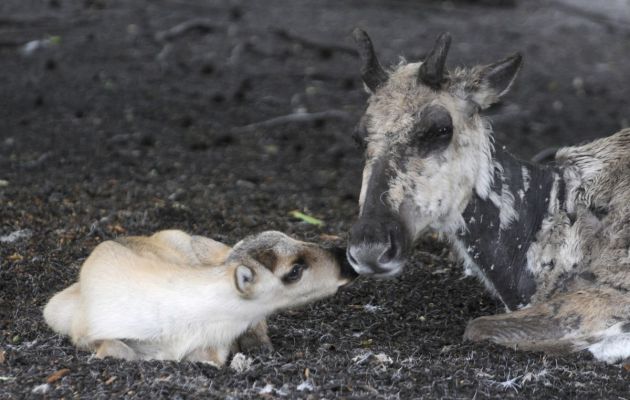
(495, 80)
(244, 278)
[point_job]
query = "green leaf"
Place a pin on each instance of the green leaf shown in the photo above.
(306, 218)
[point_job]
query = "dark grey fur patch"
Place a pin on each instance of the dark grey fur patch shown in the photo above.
(625, 328)
(377, 185)
(502, 254)
(433, 131)
(572, 322)
(588, 276)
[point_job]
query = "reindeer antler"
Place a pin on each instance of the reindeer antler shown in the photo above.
(371, 72)
(431, 72)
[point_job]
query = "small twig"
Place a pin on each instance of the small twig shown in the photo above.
(202, 24)
(307, 43)
(300, 117)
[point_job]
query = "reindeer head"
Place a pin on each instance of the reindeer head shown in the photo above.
(426, 150)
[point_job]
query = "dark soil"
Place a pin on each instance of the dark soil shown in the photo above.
(109, 130)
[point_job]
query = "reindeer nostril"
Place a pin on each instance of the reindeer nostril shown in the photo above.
(391, 252)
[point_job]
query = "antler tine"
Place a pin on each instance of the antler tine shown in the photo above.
(372, 73)
(431, 72)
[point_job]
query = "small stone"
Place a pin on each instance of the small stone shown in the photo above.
(383, 358)
(306, 385)
(41, 389)
(16, 235)
(241, 363)
(4, 183)
(268, 389)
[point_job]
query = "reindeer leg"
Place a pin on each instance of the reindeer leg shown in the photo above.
(213, 356)
(594, 319)
(254, 338)
(115, 349)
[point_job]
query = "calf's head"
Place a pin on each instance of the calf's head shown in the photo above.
(426, 150)
(277, 271)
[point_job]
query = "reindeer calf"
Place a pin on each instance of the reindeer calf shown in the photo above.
(551, 242)
(172, 296)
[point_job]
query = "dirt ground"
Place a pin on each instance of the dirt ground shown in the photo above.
(111, 124)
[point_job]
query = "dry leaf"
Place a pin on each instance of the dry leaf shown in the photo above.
(2, 356)
(15, 257)
(110, 380)
(55, 376)
(118, 228)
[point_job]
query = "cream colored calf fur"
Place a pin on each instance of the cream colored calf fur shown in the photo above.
(173, 296)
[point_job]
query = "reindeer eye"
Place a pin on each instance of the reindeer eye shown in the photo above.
(444, 130)
(295, 274)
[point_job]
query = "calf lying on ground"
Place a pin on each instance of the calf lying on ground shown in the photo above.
(172, 296)
(551, 242)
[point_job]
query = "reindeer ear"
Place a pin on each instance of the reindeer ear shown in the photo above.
(244, 279)
(208, 251)
(496, 79)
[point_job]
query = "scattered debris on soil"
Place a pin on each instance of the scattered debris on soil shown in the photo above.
(130, 123)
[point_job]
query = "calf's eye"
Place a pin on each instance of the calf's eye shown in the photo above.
(295, 274)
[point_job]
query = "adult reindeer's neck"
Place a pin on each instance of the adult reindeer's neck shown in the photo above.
(500, 227)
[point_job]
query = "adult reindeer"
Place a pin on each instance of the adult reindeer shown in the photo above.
(552, 243)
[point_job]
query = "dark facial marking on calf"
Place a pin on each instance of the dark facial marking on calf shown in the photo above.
(266, 257)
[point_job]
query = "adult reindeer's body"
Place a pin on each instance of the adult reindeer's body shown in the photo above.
(552, 243)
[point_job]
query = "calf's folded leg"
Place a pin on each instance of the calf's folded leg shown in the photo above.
(254, 338)
(116, 349)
